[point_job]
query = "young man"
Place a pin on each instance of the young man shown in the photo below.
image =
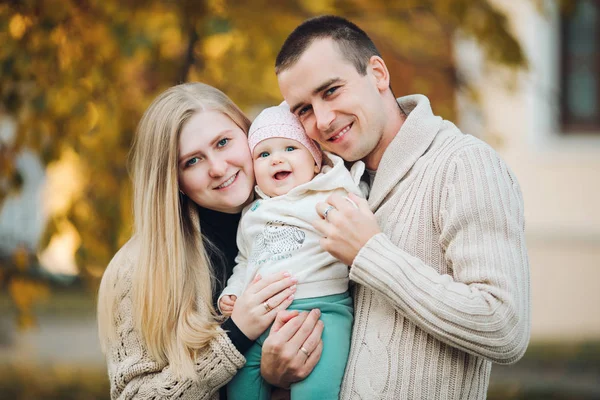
(441, 268)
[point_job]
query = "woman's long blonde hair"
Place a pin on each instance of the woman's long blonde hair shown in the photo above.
(171, 277)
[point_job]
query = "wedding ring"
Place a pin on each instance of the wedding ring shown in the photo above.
(303, 349)
(327, 212)
(267, 306)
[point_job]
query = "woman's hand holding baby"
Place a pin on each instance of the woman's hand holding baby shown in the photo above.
(257, 307)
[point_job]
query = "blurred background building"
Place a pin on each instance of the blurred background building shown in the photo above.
(522, 75)
(546, 125)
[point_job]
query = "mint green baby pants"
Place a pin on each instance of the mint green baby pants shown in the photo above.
(325, 380)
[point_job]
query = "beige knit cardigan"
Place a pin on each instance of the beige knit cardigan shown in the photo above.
(443, 291)
(133, 374)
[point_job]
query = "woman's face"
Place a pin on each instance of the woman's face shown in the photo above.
(215, 165)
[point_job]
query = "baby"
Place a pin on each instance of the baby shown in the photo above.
(275, 234)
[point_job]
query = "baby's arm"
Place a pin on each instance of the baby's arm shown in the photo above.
(226, 304)
(236, 282)
(234, 289)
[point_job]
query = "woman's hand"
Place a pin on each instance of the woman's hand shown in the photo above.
(341, 218)
(227, 303)
(257, 307)
(293, 347)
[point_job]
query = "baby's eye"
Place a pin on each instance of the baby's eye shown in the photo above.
(263, 154)
(222, 142)
(290, 148)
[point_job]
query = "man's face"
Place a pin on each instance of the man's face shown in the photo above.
(339, 108)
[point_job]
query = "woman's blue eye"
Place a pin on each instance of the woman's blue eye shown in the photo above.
(263, 154)
(222, 142)
(192, 161)
(290, 148)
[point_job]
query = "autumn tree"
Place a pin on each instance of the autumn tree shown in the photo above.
(77, 75)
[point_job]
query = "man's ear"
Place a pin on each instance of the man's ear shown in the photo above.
(380, 72)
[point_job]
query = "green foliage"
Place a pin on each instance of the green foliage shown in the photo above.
(77, 75)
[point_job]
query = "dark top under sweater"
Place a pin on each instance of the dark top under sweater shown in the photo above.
(220, 230)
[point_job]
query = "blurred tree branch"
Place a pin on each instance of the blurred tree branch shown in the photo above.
(77, 75)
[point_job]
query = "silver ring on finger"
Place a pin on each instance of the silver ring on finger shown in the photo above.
(326, 212)
(303, 349)
(267, 306)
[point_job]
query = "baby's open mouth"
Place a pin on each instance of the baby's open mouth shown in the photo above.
(281, 175)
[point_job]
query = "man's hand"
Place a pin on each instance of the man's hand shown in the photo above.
(348, 226)
(226, 304)
(293, 347)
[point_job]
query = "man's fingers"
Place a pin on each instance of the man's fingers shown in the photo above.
(320, 226)
(308, 325)
(289, 329)
(352, 202)
(311, 343)
(313, 359)
(362, 204)
(320, 207)
(344, 204)
(282, 318)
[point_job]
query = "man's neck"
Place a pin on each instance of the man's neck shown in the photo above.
(397, 118)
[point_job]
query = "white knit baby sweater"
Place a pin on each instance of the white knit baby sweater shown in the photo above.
(276, 234)
(443, 291)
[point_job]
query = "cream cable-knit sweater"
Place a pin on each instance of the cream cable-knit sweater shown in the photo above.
(443, 291)
(133, 374)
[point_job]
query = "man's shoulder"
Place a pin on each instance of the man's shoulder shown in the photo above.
(451, 142)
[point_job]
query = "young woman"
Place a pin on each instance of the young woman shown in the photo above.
(192, 175)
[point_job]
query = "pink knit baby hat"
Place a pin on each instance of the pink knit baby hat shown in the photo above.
(279, 122)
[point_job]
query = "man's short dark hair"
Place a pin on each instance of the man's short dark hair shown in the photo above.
(354, 44)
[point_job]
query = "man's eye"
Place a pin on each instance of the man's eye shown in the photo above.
(290, 148)
(303, 111)
(222, 142)
(263, 154)
(331, 90)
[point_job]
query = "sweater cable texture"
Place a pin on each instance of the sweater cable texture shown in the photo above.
(134, 374)
(443, 291)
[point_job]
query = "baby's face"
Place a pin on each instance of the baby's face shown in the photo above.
(281, 164)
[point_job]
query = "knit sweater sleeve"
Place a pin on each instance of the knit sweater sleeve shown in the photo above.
(482, 306)
(134, 374)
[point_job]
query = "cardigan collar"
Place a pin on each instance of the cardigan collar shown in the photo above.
(411, 142)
